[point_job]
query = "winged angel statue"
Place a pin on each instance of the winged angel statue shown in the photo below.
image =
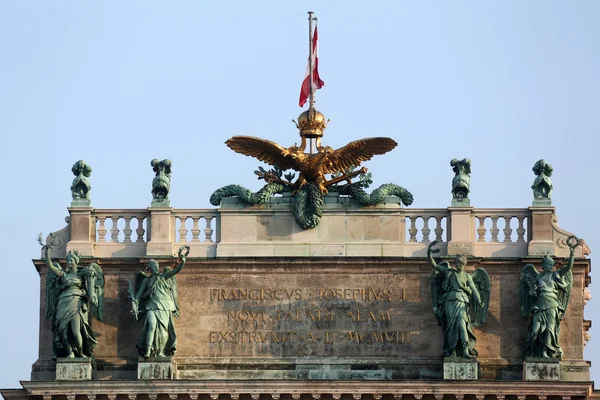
(311, 184)
(72, 293)
(544, 299)
(453, 290)
(154, 296)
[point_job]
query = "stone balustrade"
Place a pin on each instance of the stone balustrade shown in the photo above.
(236, 229)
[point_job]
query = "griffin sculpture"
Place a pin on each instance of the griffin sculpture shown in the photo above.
(312, 167)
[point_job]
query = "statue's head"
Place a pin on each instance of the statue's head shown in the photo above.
(72, 259)
(461, 262)
(547, 263)
(152, 266)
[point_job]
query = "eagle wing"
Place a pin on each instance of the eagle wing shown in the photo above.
(265, 150)
(354, 153)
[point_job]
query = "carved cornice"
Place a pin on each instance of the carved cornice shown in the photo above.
(295, 389)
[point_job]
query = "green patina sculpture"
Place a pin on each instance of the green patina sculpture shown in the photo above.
(453, 291)
(461, 182)
(544, 299)
(542, 185)
(154, 299)
(308, 204)
(80, 188)
(72, 293)
(161, 182)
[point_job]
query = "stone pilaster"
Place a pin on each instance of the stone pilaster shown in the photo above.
(161, 230)
(462, 230)
(540, 231)
(83, 230)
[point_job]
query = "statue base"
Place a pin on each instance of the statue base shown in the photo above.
(73, 369)
(156, 368)
(458, 368)
(541, 369)
(461, 202)
(542, 202)
(81, 203)
(160, 203)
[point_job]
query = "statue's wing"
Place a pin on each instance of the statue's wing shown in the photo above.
(481, 279)
(354, 153)
(52, 291)
(564, 290)
(174, 294)
(98, 289)
(436, 280)
(527, 288)
(265, 150)
(140, 277)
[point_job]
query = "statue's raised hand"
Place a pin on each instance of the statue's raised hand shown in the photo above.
(431, 250)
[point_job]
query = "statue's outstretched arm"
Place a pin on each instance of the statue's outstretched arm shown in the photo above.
(49, 263)
(174, 271)
(569, 265)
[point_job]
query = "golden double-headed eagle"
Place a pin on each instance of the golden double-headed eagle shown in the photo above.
(313, 167)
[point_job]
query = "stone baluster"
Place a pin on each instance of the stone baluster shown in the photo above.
(425, 231)
(140, 230)
(195, 229)
(208, 231)
(494, 231)
(520, 230)
(127, 231)
(507, 229)
(438, 229)
(183, 229)
(114, 230)
(481, 231)
(101, 230)
(412, 231)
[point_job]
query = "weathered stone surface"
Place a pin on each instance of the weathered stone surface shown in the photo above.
(541, 369)
(73, 369)
(458, 368)
(156, 368)
(417, 355)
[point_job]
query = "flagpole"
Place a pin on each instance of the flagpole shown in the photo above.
(311, 103)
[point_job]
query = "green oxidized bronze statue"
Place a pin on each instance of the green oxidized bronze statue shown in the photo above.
(313, 167)
(461, 182)
(453, 291)
(72, 293)
(154, 299)
(544, 299)
(80, 188)
(542, 185)
(161, 183)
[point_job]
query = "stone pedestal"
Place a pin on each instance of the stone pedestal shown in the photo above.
(457, 368)
(541, 369)
(73, 369)
(156, 368)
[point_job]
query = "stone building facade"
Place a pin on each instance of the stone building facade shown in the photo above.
(342, 311)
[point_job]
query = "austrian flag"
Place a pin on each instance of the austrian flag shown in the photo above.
(317, 83)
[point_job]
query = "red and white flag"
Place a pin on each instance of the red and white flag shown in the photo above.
(317, 83)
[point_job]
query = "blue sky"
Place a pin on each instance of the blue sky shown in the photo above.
(117, 84)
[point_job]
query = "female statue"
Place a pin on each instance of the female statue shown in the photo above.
(71, 293)
(544, 299)
(453, 290)
(155, 296)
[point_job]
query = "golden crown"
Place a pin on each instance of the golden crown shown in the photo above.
(311, 124)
